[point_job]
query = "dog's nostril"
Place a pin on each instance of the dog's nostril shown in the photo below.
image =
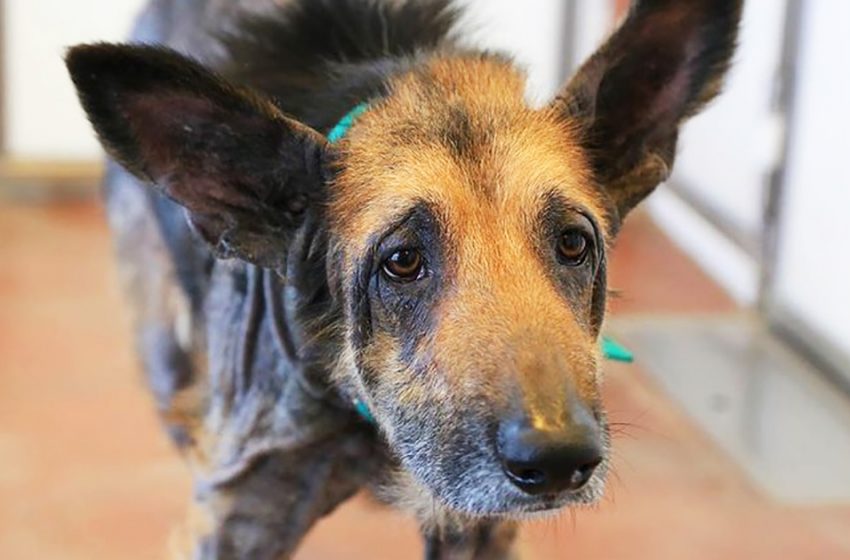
(582, 475)
(525, 476)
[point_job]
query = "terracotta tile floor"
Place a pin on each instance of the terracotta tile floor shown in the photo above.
(85, 472)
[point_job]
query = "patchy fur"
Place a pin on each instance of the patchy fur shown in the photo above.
(260, 259)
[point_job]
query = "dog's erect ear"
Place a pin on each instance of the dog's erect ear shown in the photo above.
(663, 64)
(244, 172)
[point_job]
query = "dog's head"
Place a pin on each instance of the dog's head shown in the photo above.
(467, 233)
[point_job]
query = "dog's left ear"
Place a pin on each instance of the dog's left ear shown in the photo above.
(245, 173)
(663, 64)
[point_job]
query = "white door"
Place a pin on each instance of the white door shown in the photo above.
(812, 283)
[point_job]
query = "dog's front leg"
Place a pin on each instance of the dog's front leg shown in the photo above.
(485, 541)
(265, 512)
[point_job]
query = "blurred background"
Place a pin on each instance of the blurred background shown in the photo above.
(732, 430)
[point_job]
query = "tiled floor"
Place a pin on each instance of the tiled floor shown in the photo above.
(85, 472)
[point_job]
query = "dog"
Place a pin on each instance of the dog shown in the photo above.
(358, 259)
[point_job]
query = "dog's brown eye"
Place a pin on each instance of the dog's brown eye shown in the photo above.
(404, 265)
(573, 247)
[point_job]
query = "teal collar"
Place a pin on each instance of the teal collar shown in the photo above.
(339, 131)
(610, 348)
(615, 352)
(336, 134)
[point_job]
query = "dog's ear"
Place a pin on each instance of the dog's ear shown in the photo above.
(245, 173)
(663, 64)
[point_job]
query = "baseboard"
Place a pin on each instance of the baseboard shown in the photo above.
(800, 336)
(726, 263)
(44, 180)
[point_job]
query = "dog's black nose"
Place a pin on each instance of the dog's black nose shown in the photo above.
(547, 461)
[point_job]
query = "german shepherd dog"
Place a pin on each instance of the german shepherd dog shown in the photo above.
(413, 308)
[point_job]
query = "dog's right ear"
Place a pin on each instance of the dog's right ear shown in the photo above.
(665, 62)
(245, 173)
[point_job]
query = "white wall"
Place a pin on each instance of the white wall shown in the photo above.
(530, 30)
(43, 120)
(814, 266)
(720, 258)
(594, 22)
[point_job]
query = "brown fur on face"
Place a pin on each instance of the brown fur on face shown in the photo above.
(457, 137)
(457, 131)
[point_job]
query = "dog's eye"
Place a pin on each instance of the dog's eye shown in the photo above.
(573, 247)
(404, 265)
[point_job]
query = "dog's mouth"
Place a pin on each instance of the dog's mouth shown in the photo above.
(505, 501)
(526, 506)
(475, 481)
(543, 507)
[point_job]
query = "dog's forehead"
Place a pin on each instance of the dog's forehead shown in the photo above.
(458, 135)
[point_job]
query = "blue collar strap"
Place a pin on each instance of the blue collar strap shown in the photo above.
(615, 352)
(610, 349)
(339, 131)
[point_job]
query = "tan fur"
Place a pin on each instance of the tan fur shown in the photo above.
(392, 156)
(488, 202)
